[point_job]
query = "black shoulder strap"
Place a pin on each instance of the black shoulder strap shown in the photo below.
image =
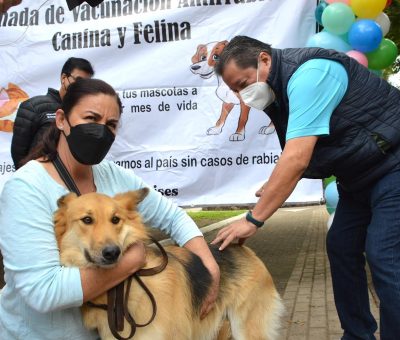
(65, 176)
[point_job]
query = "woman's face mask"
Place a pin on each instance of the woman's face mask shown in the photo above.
(258, 95)
(90, 142)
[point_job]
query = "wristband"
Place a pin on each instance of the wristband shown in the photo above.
(251, 219)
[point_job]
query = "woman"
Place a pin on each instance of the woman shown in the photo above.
(41, 298)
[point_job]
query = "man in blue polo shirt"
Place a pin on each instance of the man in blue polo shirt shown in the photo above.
(332, 117)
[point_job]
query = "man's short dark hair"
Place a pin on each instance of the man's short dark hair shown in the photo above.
(77, 63)
(244, 51)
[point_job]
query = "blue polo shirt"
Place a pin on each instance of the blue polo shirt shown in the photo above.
(314, 91)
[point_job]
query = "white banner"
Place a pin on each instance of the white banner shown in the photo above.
(183, 131)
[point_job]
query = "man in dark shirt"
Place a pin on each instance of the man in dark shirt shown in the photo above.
(36, 114)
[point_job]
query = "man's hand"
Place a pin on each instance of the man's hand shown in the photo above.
(240, 230)
(260, 191)
(6, 4)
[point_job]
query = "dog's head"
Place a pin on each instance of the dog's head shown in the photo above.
(95, 229)
(206, 57)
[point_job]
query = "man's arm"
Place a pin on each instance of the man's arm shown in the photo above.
(293, 162)
(288, 171)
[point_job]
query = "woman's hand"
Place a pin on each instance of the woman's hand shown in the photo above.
(212, 295)
(199, 246)
(96, 281)
(134, 257)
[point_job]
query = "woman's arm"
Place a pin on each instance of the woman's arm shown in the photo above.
(199, 246)
(96, 281)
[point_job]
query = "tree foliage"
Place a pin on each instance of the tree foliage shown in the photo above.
(393, 12)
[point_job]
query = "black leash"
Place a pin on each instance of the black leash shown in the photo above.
(65, 175)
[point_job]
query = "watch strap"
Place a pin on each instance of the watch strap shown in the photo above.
(251, 219)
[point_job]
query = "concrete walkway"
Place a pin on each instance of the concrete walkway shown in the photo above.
(308, 296)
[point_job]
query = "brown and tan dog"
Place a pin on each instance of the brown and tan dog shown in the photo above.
(203, 63)
(87, 224)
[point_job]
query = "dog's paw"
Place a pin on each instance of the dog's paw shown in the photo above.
(237, 137)
(266, 130)
(215, 130)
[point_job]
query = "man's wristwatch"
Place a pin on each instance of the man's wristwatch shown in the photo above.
(251, 219)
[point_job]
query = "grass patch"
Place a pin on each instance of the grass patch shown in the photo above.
(203, 218)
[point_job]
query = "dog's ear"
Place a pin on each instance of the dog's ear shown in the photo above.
(63, 200)
(60, 216)
(131, 199)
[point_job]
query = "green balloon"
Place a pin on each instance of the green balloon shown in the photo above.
(383, 56)
(379, 73)
(337, 18)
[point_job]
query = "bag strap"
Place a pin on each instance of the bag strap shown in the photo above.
(65, 175)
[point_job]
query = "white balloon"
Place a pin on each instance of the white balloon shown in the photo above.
(330, 220)
(384, 22)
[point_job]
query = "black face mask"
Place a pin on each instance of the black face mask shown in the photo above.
(89, 143)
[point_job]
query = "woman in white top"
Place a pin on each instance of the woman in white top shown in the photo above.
(41, 298)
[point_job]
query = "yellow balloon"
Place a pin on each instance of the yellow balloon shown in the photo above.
(367, 8)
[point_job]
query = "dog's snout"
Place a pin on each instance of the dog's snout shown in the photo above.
(195, 67)
(111, 253)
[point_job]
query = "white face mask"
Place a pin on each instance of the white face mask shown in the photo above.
(258, 95)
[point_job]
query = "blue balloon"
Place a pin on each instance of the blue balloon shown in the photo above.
(328, 40)
(365, 35)
(331, 196)
(319, 10)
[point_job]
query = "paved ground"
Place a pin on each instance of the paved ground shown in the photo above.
(292, 246)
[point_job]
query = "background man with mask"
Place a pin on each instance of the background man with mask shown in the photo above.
(36, 114)
(333, 117)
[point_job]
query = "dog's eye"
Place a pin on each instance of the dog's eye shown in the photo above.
(215, 57)
(115, 220)
(87, 220)
(203, 58)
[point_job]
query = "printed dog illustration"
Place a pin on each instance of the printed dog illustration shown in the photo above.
(203, 63)
(88, 225)
(10, 98)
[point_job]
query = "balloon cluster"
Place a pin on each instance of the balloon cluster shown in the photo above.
(331, 197)
(357, 28)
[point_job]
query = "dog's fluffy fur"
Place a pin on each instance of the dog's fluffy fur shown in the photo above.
(85, 225)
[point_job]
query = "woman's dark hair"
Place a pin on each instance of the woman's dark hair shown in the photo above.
(244, 51)
(77, 63)
(78, 90)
